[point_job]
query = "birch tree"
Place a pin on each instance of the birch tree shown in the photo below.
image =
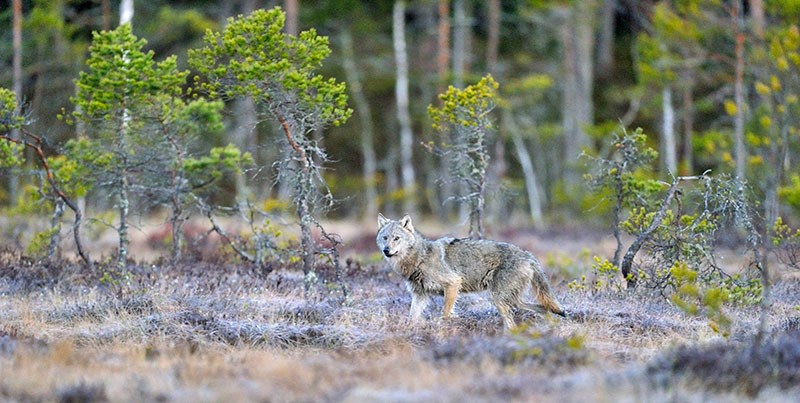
(577, 40)
(364, 112)
(402, 98)
(13, 181)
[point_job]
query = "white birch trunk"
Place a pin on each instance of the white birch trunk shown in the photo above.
(126, 12)
(403, 116)
(353, 77)
(669, 160)
(13, 181)
(525, 160)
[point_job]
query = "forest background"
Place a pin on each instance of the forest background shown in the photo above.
(710, 82)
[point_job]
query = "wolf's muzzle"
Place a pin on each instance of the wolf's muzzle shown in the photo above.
(388, 253)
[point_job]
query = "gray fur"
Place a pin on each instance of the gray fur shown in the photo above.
(447, 266)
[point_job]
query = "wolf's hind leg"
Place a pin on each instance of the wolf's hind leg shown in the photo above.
(418, 304)
(505, 312)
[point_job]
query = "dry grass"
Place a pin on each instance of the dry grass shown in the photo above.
(204, 331)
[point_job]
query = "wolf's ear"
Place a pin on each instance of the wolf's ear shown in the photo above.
(382, 220)
(405, 222)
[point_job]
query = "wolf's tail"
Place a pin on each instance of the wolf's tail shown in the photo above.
(542, 289)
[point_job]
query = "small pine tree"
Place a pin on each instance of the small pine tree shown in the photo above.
(253, 57)
(464, 118)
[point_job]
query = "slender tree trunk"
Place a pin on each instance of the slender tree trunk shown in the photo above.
(498, 169)
(605, 41)
(443, 68)
(125, 17)
(105, 7)
(459, 42)
(738, 94)
(122, 230)
(292, 9)
(577, 36)
(669, 160)
(493, 40)
(758, 17)
(303, 187)
(13, 181)
(244, 136)
(443, 44)
(364, 112)
(687, 156)
(529, 173)
(55, 226)
(461, 56)
(126, 12)
(403, 115)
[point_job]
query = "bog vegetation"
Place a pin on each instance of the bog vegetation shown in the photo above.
(204, 210)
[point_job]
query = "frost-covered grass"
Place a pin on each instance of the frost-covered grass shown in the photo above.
(210, 331)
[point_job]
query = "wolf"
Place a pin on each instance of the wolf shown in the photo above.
(447, 266)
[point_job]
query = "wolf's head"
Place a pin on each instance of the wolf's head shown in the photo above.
(395, 237)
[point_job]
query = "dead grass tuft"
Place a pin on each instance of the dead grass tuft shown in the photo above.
(746, 368)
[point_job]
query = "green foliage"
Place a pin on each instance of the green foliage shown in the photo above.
(40, 243)
(786, 243)
(605, 277)
(253, 57)
(10, 119)
(626, 169)
(674, 38)
(468, 108)
(215, 164)
(10, 153)
(121, 76)
(695, 298)
(791, 192)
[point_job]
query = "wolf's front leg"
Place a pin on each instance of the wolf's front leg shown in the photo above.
(450, 293)
(418, 304)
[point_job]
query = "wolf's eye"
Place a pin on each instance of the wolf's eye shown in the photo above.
(385, 238)
(396, 238)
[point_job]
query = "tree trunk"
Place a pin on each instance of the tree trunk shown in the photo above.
(633, 249)
(291, 8)
(55, 226)
(687, 155)
(244, 137)
(403, 115)
(758, 17)
(577, 36)
(605, 40)
(13, 181)
(125, 17)
(443, 44)
(364, 112)
(493, 40)
(122, 230)
(525, 160)
(126, 12)
(105, 10)
(669, 161)
(459, 42)
(738, 94)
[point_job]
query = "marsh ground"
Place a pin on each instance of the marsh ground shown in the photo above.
(204, 330)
